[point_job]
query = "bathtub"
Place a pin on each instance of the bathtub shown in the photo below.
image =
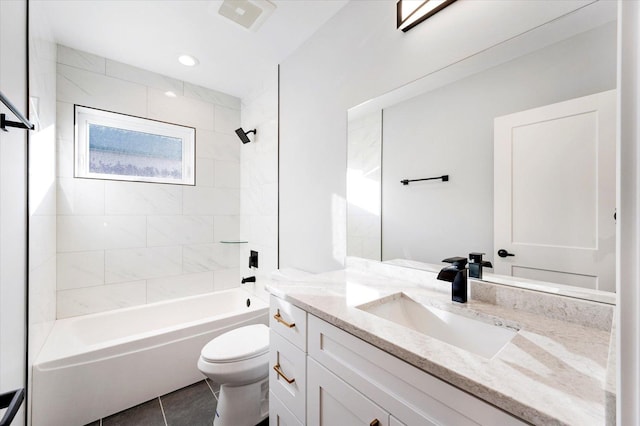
(96, 365)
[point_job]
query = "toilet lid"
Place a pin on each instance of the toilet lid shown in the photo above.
(239, 344)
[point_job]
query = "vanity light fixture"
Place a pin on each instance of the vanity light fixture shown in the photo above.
(410, 13)
(188, 60)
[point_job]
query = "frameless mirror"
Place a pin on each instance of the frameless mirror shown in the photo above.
(525, 133)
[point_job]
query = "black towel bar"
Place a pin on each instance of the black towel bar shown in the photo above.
(12, 402)
(445, 178)
(4, 123)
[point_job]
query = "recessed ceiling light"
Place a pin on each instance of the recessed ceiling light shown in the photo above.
(188, 60)
(170, 94)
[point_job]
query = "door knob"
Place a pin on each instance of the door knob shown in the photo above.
(504, 253)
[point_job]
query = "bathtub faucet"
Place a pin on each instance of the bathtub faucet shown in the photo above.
(248, 280)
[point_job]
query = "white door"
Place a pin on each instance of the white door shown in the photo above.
(555, 192)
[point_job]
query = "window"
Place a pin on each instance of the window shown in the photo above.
(116, 146)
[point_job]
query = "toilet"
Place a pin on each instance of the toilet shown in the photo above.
(238, 361)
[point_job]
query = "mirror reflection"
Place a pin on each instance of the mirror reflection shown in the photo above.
(526, 133)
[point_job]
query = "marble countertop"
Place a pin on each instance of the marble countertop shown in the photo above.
(551, 372)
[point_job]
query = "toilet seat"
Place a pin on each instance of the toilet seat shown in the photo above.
(237, 345)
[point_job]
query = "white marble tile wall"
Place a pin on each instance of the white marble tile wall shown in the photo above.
(123, 243)
(364, 165)
(42, 184)
(259, 178)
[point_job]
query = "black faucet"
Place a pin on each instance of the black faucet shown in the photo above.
(456, 274)
(476, 263)
(248, 280)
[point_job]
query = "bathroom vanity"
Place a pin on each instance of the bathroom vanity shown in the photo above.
(362, 347)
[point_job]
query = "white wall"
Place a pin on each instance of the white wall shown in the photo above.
(628, 270)
(259, 178)
(13, 214)
(123, 243)
(358, 55)
(450, 131)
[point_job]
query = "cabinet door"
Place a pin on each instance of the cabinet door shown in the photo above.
(330, 401)
(395, 422)
(279, 415)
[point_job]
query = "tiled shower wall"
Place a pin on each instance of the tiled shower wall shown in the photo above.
(364, 183)
(42, 183)
(123, 243)
(259, 177)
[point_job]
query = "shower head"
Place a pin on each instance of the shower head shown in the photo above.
(244, 135)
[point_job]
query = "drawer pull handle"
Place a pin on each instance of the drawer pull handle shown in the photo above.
(281, 374)
(374, 422)
(278, 318)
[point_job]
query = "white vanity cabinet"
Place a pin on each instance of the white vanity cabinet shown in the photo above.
(348, 381)
(287, 363)
(279, 415)
(395, 422)
(411, 396)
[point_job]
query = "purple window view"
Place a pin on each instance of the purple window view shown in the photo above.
(114, 151)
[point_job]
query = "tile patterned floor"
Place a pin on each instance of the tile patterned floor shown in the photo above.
(194, 405)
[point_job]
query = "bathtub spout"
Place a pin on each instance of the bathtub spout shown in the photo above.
(248, 280)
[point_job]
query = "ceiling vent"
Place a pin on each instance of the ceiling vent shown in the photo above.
(251, 14)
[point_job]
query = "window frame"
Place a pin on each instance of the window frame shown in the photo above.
(84, 116)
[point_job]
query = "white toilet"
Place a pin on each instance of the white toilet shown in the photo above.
(238, 361)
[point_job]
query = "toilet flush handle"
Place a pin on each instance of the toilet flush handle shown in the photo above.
(278, 318)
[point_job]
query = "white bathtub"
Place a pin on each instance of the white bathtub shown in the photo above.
(96, 365)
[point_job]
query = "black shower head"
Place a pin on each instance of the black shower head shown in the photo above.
(243, 135)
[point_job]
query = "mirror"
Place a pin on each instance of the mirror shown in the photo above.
(443, 124)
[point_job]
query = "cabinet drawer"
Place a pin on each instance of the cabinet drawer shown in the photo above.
(279, 415)
(289, 321)
(413, 396)
(291, 362)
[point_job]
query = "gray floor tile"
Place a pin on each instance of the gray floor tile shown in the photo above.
(190, 406)
(213, 386)
(147, 414)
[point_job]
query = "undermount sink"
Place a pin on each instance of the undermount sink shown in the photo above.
(469, 334)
